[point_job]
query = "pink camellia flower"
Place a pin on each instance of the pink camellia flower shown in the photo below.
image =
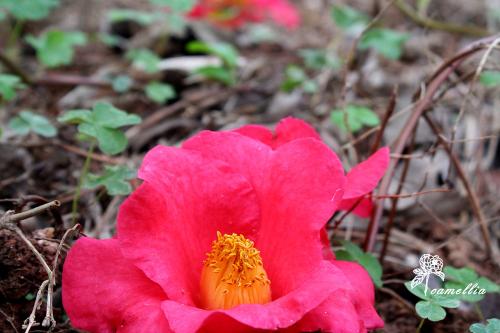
(234, 13)
(225, 235)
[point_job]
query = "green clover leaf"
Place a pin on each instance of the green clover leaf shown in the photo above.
(114, 179)
(224, 51)
(144, 59)
(349, 19)
(460, 278)
(387, 42)
(8, 86)
(357, 117)
(55, 48)
(28, 121)
(140, 17)
(121, 83)
(102, 124)
(29, 9)
(490, 78)
(492, 326)
(159, 92)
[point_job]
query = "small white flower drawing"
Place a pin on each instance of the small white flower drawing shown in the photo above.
(429, 264)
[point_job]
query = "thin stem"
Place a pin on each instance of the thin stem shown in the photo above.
(14, 68)
(420, 325)
(479, 312)
(85, 169)
(14, 34)
(437, 25)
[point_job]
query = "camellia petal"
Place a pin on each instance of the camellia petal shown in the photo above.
(281, 313)
(299, 186)
(104, 293)
(364, 177)
(184, 201)
(363, 206)
(287, 130)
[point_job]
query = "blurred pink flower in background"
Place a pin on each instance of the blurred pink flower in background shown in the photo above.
(235, 13)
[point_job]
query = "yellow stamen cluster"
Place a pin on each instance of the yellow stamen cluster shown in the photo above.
(233, 274)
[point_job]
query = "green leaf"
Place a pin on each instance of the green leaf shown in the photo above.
(111, 141)
(461, 278)
(430, 310)
(294, 78)
(55, 48)
(357, 117)
(140, 17)
(349, 19)
(102, 124)
(28, 121)
(76, 117)
(159, 92)
(217, 73)
(114, 178)
(387, 42)
(224, 51)
(121, 83)
(175, 5)
(8, 86)
(106, 115)
(19, 125)
(144, 59)
(319, 59)
(309, 86)
(493, 326)
(352, 252)
(111, 40)
(418, 291)
(176, 22)
(490, 78)
(29, 9)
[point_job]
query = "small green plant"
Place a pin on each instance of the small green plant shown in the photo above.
(462, 284)
(319, 59)
(114, 178)
(24, 10)
(349, 19)
(352, 252)
(387, 42)
(431, 306)
(102, 124)
(226, 72)
(140, 17)
(9, 84)
(121, 83)
(295, 77)
(357, 117)
(176, 13)
(159, 92)
(181, 6)
(144, 59)
(27, 121)
(490, 78)
(492, 326)
(56, 48)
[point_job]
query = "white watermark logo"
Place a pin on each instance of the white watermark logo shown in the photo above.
(429, 265)
(433, 265)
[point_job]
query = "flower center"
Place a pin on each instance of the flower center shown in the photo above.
(233, 274)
